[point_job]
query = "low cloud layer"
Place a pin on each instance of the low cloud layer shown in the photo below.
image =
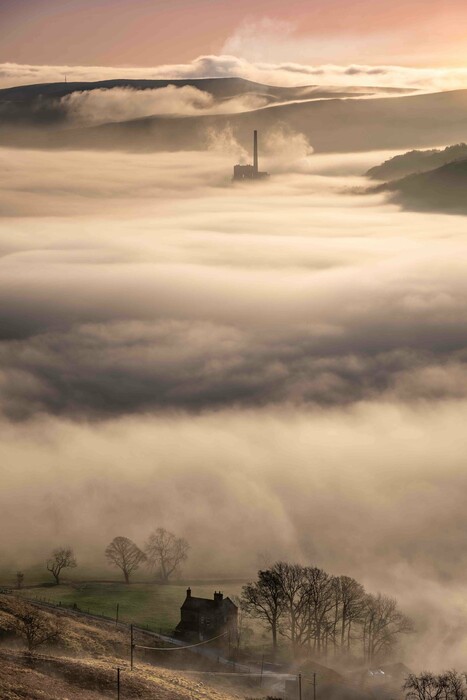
(274, 368)
(376, 492)
(263, 71)
(218, 305)
(123, 104)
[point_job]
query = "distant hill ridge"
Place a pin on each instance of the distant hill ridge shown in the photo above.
(218, 87)
(41, 105)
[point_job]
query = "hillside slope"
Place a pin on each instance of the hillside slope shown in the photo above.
(417, 162)
(82, 665)
(331, 125)
(217, 87)
(443, 189)
(44, 105)
(45, 677)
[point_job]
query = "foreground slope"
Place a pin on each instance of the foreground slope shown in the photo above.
(82, 665)
(47, 677)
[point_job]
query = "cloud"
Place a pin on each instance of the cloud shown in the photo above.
(277, 367)
(123, 104)
(271, 72)
(376, 492)
(274, 41)
(242, 297)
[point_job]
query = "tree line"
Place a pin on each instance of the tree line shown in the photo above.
(323, 614)
(163, 552)
(448, 685)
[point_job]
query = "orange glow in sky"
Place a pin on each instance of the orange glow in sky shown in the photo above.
(151, 32)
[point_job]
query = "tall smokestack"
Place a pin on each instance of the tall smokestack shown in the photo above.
(255, 150)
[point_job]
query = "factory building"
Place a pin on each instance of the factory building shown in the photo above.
(250, 172)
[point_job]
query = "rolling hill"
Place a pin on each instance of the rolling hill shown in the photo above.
(43, 106)
(220, 88)
(331, 125)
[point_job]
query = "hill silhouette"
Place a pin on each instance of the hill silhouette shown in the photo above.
(218, 87)
(442, 189)
(41, 104)
(417, 162)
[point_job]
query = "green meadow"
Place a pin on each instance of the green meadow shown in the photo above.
(151, 604)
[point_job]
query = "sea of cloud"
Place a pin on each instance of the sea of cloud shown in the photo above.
(277, 368)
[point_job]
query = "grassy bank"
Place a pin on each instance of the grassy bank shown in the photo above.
(151, 604)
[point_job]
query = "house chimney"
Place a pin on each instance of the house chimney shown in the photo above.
(255, 151)
(218, 597)
(188, 592)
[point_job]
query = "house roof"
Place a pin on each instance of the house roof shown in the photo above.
(193, 603)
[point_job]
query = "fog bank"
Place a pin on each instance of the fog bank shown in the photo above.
(276, 370)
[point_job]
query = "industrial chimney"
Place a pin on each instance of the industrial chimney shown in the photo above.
(255, 151)
(250, 172)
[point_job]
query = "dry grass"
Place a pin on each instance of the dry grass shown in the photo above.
(83, 667)
(44, 677)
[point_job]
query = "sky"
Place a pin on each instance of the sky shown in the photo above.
(153, 32)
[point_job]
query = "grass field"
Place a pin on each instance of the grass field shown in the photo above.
(151, 604)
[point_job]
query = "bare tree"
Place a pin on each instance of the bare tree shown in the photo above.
(35, 626)
(264, 600)
(126, 555)
(382, 623)
(449, 685)
(166, 552)
(455, 684)
(422, 687)
(321, 602)
(19, 578)
(295, 621)
(62, 558)
(352, 596)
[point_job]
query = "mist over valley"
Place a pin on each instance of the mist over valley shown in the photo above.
(233, 402)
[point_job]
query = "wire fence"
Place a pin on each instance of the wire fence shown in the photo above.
(181, 648)
(74, 608)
